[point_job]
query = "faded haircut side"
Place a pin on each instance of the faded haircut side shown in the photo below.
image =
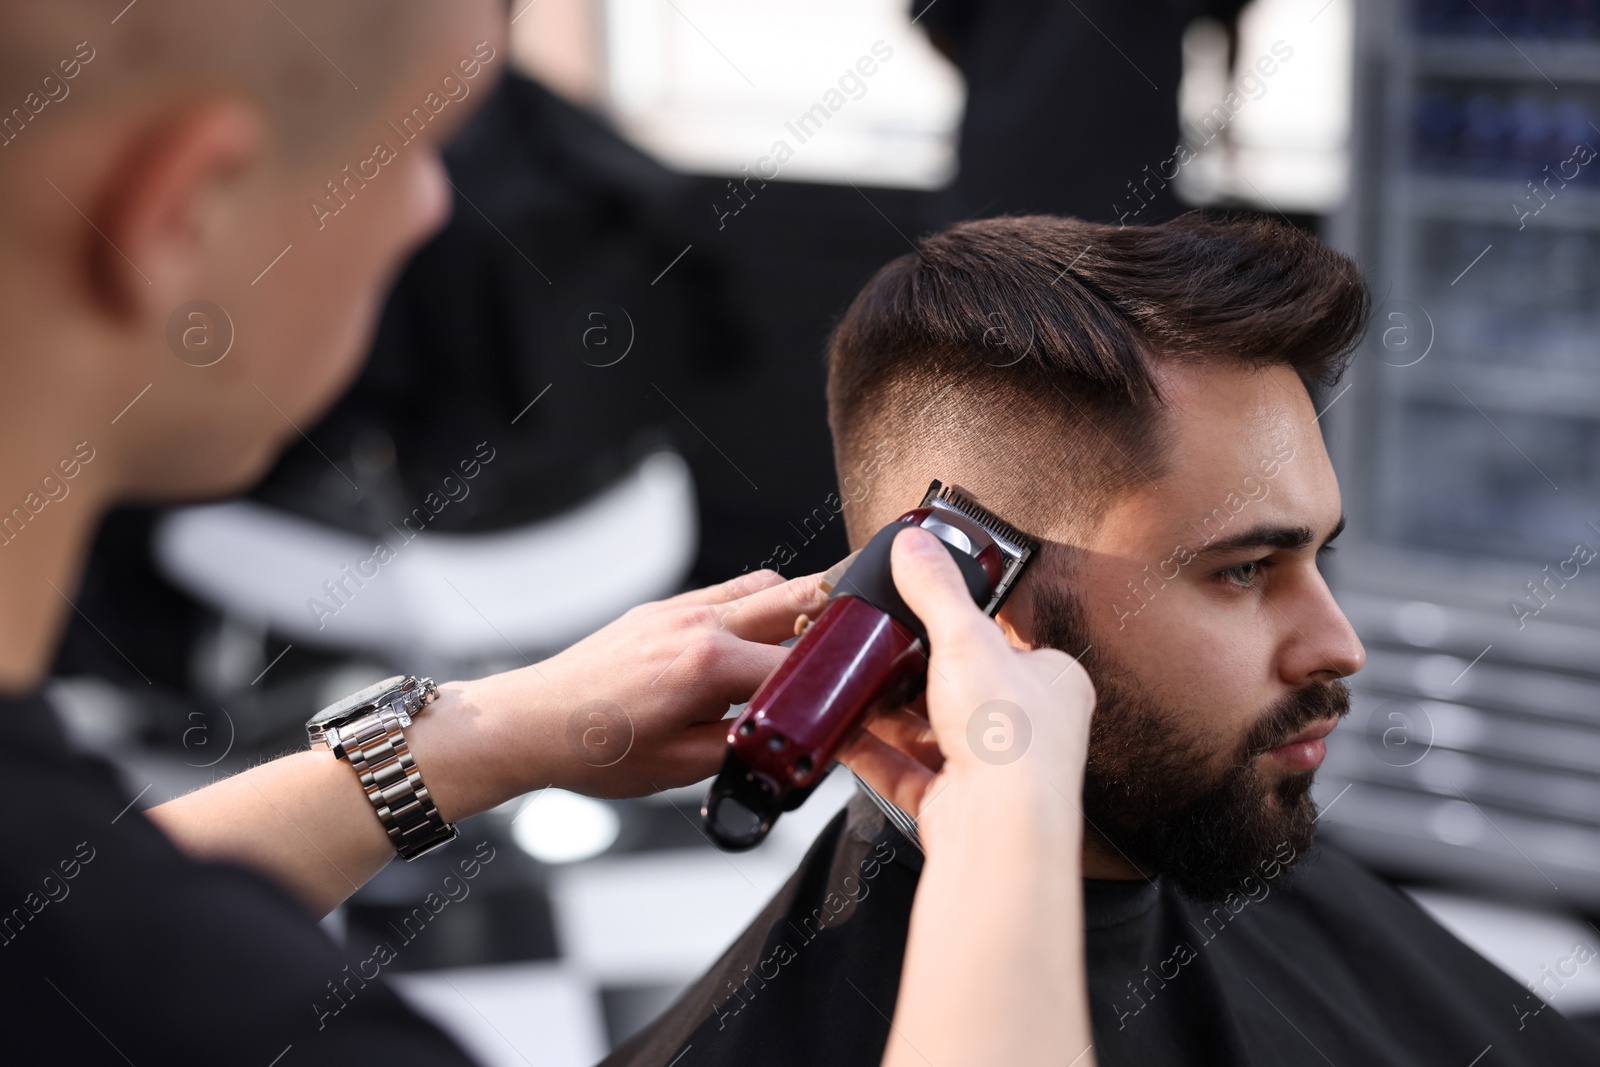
(1028, 345)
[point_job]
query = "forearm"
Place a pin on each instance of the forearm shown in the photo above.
(994, 967)
(647, 694)
(304, 821)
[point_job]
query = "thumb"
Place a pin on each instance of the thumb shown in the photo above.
(931, 585)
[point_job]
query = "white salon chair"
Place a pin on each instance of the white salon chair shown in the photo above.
(442, 599)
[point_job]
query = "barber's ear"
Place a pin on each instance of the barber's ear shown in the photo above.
(164, 207)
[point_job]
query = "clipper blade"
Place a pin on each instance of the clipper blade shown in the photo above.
(1017, 547)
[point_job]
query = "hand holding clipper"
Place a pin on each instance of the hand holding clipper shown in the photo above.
(864, 647)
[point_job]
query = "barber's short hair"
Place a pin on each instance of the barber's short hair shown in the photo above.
(1044, 330)
(202, 48)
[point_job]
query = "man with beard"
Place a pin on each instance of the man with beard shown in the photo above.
(1137, 398)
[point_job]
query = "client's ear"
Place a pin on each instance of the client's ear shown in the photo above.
(1016, 617)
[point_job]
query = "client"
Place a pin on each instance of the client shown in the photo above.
(1135, 397)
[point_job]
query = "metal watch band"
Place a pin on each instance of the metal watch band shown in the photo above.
(375, 744)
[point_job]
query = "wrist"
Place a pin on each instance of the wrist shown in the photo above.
(1049, 765)
(1005, 808)
(471, 749)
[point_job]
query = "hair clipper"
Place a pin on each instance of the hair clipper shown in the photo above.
(865, 646)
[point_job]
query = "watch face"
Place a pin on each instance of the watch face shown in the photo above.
(340, 708)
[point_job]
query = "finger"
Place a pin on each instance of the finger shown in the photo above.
(931, 585)
(769, 614)
(684, 758)
(896, 776)
(917, 705)
(830, 577)
(1061, 671)
(702, 748)
(741, 585)
(722, 671)
(909, 733)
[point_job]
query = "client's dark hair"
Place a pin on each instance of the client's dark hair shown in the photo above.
(1047, 330)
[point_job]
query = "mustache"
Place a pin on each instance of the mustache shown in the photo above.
(1295, 712)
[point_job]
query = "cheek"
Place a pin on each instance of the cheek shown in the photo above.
(345, 275)
(358, 262)
(425, 202)
(1211, 665)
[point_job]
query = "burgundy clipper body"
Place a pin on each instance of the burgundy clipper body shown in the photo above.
(866, 647)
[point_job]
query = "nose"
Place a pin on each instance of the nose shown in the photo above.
(1320, 645)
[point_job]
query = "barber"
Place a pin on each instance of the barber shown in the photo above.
(187, 933)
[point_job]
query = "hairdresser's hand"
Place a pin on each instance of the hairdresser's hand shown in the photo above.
(1001, 718)
(638, 705)
(994, 966)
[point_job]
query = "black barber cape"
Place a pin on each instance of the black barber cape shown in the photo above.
(117, 949)
(1327, 966)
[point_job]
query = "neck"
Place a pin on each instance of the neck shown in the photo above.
(47, 521)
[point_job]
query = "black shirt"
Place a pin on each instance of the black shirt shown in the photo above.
(115, 948)
(1072, 108)
(1328, 965)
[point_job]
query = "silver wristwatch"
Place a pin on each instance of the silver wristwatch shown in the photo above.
(367, 730)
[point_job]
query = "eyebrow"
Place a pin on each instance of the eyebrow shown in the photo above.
(1270, 536)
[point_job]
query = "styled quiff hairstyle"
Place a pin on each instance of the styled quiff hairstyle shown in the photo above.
(1028, 345)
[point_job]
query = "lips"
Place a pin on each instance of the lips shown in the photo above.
(1306, 750)
(1315, 732)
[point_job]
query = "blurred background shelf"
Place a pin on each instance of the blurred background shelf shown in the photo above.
(1493, 202)
(1494, 58)
(1469, 445)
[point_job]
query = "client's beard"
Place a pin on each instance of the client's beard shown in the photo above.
(1148, 790)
